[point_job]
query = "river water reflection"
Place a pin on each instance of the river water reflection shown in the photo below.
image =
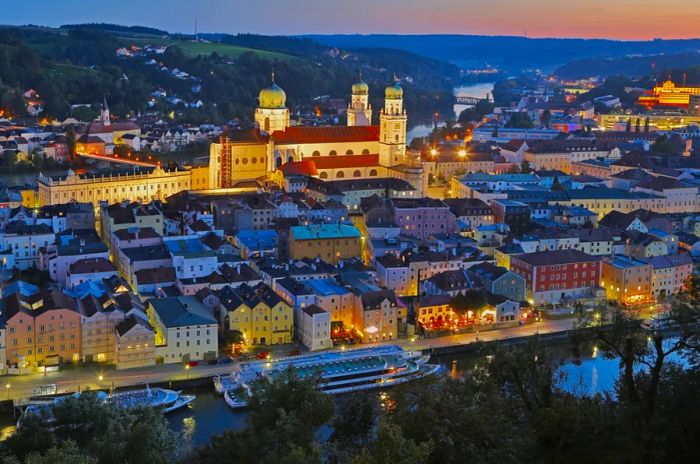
(209, 415)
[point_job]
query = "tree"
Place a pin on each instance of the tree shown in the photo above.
(637, 125)
(104, 434)
(557, 186)
(284, 415)
(546, 118)
(233, 337)
(525, 167)
(646, 124)
(644, 355)
(70, 142)
(520, 121)
(665, 145)
(67, 453)
(628, 127)
(391, 446)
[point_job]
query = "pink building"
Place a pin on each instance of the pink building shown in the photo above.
(43, 328)
(423, 217)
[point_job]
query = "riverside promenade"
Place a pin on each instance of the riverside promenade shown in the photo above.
(72, 379)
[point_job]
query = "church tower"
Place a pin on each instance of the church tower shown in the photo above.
(104, 113)
(392, 127)
(272, 114)
(360, 111)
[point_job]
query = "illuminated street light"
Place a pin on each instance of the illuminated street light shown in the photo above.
(187, 370)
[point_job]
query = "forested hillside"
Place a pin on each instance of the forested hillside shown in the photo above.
(78, 65)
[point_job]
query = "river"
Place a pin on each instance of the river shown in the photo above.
(423, 127)
(209, 415)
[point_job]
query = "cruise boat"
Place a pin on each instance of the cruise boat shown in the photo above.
(168, 400)
(339, 371)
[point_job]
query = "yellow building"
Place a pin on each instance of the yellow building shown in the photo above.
(627, 280)
(667, 94)
(358, 150)
(155, 184)
(258, 313)
(329, 242)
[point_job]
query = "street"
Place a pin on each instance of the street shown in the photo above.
(72, 379)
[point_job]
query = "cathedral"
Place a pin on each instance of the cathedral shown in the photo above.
(359, 150)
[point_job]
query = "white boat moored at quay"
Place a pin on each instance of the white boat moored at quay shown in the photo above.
(167, 400)
(340, 371)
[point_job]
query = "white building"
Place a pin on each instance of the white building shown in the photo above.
(314, 328)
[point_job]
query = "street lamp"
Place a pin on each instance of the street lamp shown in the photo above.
(7, 387)
(187, 370)
(100, 378)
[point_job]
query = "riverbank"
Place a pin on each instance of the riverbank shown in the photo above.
(93, 377)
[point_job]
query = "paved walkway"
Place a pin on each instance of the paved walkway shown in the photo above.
(71, 379)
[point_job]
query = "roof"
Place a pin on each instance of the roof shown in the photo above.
(305, 167)
(618, 219)
(488, 271)
(434, 300)
(232, 298)
(130, 322)
(338, 162)
(373, 300)
(661, 183)
(312, 310)
(155, 276)
(669, 261)
(326, 287)
(181, 311)
(249, 136)
(91, 265)
(623, 262)
(451, 280)
(542, 258)
(255, 239)
(188, 247)
(324, 231)
(390, 260)
(329, 134)
(146, 253)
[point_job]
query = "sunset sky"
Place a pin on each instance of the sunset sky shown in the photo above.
(621, 19)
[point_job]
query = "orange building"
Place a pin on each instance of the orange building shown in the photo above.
(90, 145)
(41, 329)
(668, 94)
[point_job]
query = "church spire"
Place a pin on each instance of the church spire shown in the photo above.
(104, 112)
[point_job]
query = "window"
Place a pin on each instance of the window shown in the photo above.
(332, 153)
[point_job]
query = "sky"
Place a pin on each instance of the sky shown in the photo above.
(613, 19)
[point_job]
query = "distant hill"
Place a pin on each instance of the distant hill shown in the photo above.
(511, 53)
(107, 27)
(637, 66)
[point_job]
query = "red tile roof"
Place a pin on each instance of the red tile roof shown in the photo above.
(328, 134)
(351, 161)
(305, 167)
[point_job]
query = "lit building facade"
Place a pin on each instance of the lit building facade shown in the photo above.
(93, 188)
(668, 94)
(627, 280)
(358, 150)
